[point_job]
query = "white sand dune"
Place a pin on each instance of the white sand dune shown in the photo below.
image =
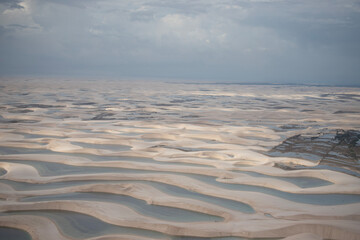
(202, 149)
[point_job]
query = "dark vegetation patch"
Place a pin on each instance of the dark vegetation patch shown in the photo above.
(339, 149)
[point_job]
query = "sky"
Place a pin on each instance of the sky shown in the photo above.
(252, 41)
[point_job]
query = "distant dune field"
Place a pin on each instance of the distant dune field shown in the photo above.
(152, 160)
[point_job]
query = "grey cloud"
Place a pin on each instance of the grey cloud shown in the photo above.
(12, 3)
(182, 6)
(142, 16)
(223, 40)
(3, 30)
(315, 25)
(20, 27)
(70, 3)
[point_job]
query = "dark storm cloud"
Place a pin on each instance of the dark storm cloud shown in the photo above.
(220, 40)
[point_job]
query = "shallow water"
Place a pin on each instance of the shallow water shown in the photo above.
(220, 238)
(315, 199)
(181, 192)
(2, 171)
(15, 150)
(177, 121)
(307, 156)
(333, 168)
(46, 169)
(112, 147)
(303, 182)
(13, 234)
(79, 225)
(34, 136)
(140, 206)
(166, 188)
(56, 169)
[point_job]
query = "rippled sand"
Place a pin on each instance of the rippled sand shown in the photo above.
(140, 160)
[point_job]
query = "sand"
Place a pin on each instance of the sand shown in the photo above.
(138, 139)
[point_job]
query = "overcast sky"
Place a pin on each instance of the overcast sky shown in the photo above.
(275, 41)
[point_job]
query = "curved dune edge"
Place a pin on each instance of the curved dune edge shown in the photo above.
(303, 236)
(261, 202)
(255, 220)
(343, 183)
(41, 228)
(120, 237)
(229, 129)
(147, 193)
(153, 196)
(332, 229)
(232, 152)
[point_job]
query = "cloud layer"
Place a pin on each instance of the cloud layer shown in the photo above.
(216, 40)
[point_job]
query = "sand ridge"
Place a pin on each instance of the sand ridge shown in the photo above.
(123, 138)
